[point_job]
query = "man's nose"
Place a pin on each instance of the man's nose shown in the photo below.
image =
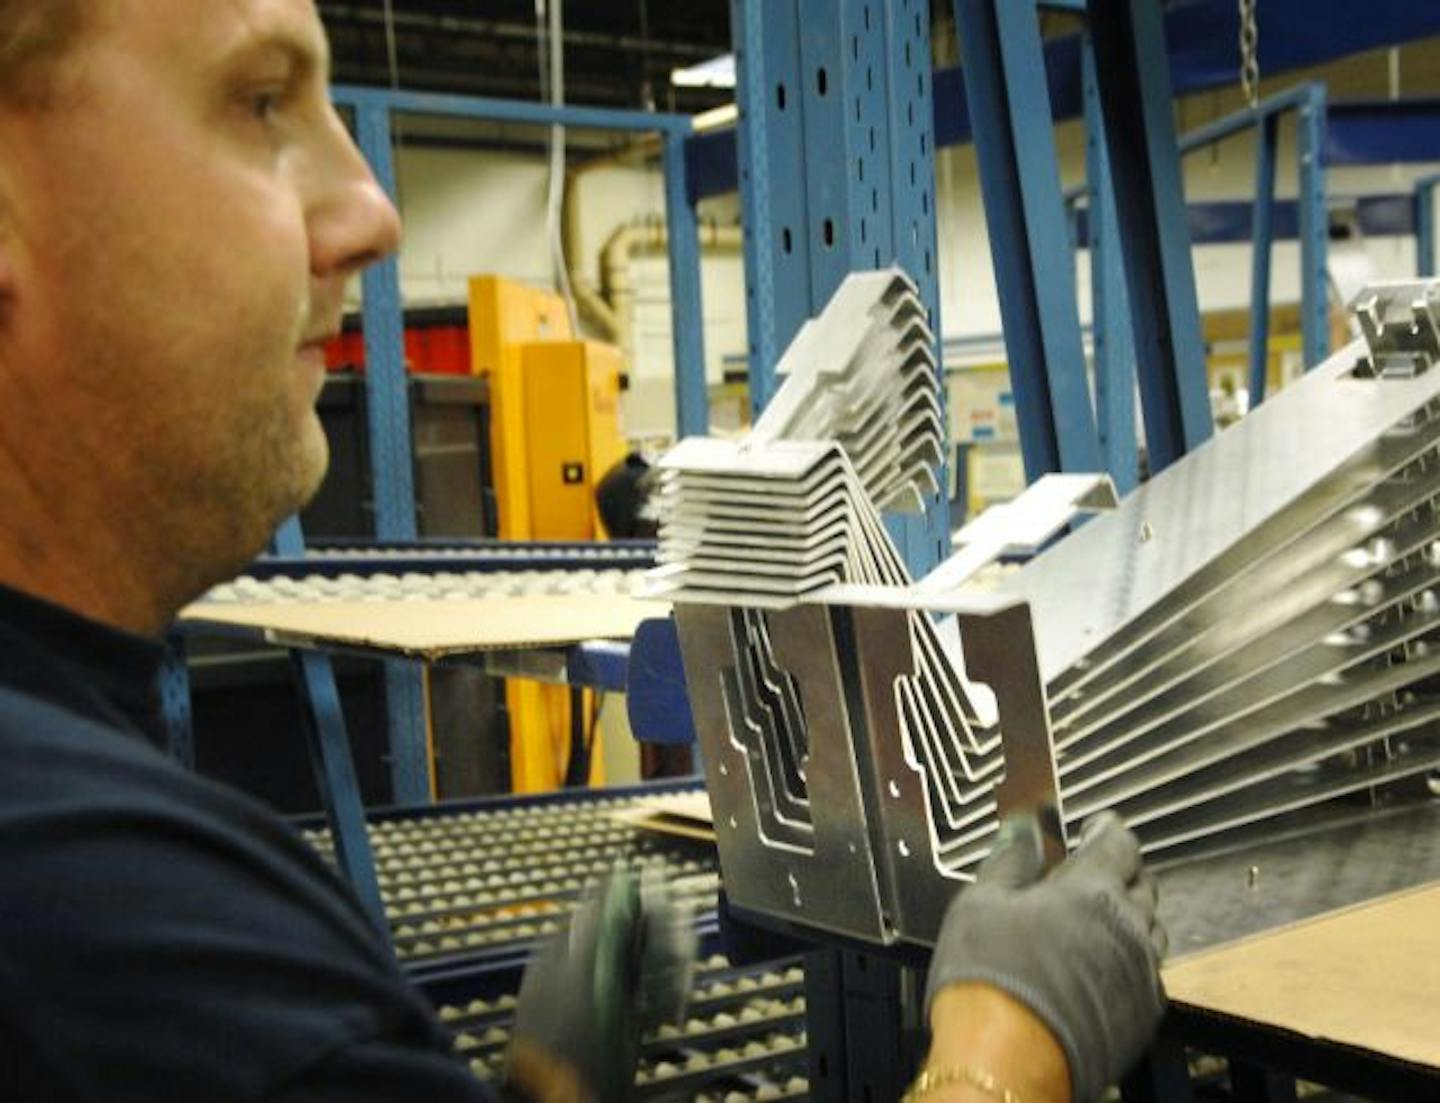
(354, 224)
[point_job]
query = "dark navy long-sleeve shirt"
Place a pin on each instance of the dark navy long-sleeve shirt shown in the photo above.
(164, 938)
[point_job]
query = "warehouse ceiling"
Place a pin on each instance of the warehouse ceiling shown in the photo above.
(618, 53)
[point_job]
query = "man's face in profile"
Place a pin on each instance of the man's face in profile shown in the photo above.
(178, 227)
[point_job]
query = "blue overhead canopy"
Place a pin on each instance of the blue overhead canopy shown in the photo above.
(1383, 132)
(1203, 37)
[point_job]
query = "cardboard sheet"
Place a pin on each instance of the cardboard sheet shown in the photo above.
(432, 630)
(686, 815)
(1366, 976)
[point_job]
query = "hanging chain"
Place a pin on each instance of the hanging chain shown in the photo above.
(1249, 53)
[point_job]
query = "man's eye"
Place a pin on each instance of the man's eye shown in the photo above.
(264, 105)
(264, 101)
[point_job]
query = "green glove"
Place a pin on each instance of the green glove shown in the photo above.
(1081, 947)
(622, 968)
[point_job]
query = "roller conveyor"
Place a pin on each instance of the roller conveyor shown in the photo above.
(332, 557)
(416, 585)
(469, 885)
(492, 880)
(743, 1037)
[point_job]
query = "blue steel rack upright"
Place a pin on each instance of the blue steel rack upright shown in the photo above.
(1425, 224)
(1003, 65)
(1137, 113)
(837, 174)
(1112, 341)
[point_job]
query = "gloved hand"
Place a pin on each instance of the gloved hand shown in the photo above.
(1081, 947)
(622, 968)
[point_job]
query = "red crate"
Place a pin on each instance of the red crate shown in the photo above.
(434, 349)
(447, 350)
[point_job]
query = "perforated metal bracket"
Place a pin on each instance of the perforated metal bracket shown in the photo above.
(1401, 324)
(857, 851)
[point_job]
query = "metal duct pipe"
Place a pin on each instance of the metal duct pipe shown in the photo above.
(643, 236)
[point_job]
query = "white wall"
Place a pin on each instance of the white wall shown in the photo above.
(465, 214)
(968, 303)
(470, 212)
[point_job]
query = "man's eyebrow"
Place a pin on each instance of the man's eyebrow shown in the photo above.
(305, 54)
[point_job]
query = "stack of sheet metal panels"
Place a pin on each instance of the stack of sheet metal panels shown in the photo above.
(794, 507)
(862, 374)
(1253, 631)
(1250, 633)
(793, 511)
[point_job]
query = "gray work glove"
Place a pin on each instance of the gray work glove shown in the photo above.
(622, 968)
(1081, 947)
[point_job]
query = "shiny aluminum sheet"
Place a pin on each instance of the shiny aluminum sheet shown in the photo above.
(1256, 481)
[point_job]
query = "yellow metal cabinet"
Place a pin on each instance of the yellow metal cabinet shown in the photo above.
(554, 431)
(572, 434)
(504, 317)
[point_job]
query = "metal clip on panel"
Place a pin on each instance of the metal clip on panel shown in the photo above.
(1399, 321)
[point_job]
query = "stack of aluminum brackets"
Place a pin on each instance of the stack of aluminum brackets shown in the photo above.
(1248, 634)
(794, 507)
(774, 552)
(862, 374)
(1253, 631)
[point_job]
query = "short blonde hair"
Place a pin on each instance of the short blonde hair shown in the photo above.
(35, 35)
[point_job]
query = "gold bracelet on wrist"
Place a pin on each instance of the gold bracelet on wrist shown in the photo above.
(931, 1079)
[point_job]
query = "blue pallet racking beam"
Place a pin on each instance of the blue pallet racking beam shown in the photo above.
(1262, 237)
(331, 760)
(1002, 60)
(1113, 342)
(1135, 98)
